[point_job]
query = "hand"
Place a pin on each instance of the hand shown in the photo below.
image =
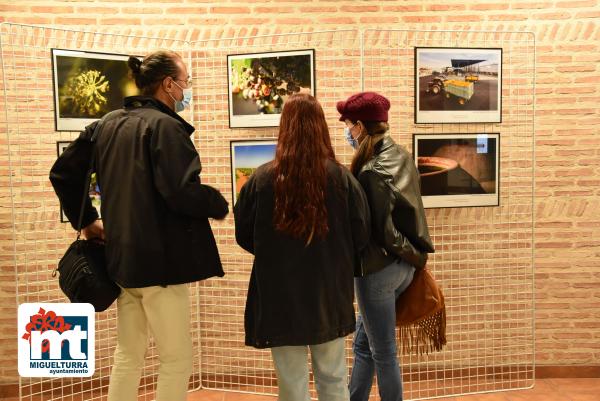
(223, 215)
(94, 230)
(418, 259)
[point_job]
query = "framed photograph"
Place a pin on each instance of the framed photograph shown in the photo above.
(458, 85)
(87, 85)
(246, 157)
(458, 170)
(94, 190)
(260, 83)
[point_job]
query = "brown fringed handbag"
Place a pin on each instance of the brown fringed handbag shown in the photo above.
(421, 315)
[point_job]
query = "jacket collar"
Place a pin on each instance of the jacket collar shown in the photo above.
(386, 143)
(149, 101)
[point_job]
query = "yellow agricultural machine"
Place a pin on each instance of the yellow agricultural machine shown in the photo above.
(471, 77)
(457, 80)
(463, 90)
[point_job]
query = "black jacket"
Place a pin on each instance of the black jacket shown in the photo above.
(154, 209)
(399, 227)
(301, 295)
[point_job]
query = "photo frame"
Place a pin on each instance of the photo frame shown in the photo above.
(457, 85)
(458, 170)
(259, 84)
(87, 85)
(246, 157)
(94, 190)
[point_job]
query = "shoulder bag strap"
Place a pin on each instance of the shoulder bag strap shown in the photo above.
(88, 177)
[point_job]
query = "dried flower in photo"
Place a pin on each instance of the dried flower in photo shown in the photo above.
(85, 93)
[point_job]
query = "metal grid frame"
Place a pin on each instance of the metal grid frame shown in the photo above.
(226, 363)
(490, 330)
(39, 237)
(484, 255)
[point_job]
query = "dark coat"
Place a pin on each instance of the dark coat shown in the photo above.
(154, 209)
(301, 295)
(399, 227)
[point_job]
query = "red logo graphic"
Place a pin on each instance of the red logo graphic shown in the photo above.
(45, 321)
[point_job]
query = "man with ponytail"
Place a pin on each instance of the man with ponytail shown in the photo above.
(305, 219)
(399, 243)
(155, 213)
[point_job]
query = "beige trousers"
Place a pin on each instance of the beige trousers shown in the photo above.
(165, 313)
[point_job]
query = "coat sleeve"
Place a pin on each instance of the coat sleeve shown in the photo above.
(360, 215)
(382, 202)
(244, 212)
(68, 176)
(176, 168)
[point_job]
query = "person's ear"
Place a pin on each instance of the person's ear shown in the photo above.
(361, 126)
(167, 84)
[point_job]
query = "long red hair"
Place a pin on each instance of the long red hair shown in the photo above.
(300, 167)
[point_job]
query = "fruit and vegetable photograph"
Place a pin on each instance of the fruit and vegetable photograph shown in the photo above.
(260, 83)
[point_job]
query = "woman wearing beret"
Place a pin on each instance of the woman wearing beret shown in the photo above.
(399, 242)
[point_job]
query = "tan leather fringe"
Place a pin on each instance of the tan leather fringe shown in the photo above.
(426, 335)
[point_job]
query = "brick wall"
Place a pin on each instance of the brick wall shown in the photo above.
(567, 219)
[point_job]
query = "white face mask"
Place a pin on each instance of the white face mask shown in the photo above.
(184, 103)
(351, 141)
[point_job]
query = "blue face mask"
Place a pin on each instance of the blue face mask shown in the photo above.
(351, 141)
(184, 103)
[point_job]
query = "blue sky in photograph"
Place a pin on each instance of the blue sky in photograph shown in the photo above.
(252, 156)
(439, 60)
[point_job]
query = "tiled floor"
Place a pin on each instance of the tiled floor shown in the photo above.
(544, 390)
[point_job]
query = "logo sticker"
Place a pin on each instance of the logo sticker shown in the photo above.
(56, 340)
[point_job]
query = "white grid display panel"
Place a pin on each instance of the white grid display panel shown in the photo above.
(40, 238)
(226, 362)
(484, 255)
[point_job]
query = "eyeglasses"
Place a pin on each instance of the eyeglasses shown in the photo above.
(188, 81)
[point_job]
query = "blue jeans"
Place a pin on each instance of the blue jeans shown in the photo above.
(329, 368)
(375, 338)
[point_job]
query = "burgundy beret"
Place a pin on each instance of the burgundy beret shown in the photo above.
(364, 106)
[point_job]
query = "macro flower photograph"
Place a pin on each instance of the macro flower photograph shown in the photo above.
(88, 85)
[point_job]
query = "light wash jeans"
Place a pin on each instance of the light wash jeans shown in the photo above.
(165, 311)
(329, 369)
(375, 338)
